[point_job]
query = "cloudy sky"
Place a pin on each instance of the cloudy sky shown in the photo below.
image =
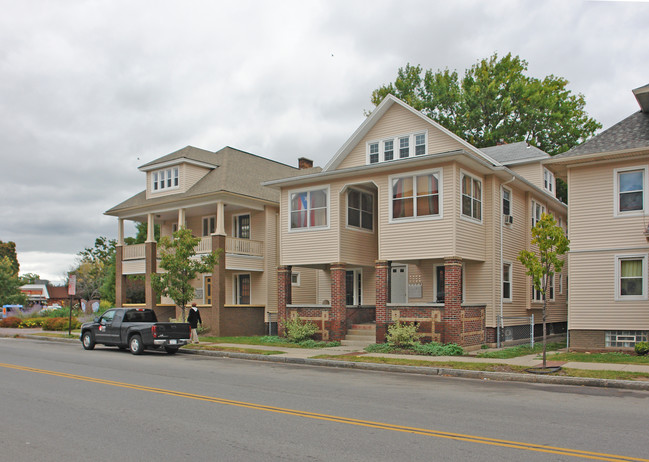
(90, 90)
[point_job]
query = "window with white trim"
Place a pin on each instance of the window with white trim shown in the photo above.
(537, 212)
(410, 145)
(165, 179)
(209, 225)
(295, 279)
(537, 295)
(309, 209)
(631, 277)
(415, 196)
(507, 282)
(471, 197)
(630, 192)
(360, 209)
(507, 202)
(548, 180)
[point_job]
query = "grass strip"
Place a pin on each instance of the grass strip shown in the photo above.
(612, 358)
(520, 350)
(487, 367)
(268, 340)
(55, 335)
(232, 349)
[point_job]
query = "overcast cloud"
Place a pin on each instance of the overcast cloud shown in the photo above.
(90, 90)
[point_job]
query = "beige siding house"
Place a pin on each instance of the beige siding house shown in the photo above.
(408, 221)
(608, 193)
(219, 196)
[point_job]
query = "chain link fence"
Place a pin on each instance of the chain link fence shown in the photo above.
(515, 329)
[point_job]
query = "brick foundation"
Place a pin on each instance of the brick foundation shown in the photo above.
(338, 301)
(382, 271)
(284, 296)
(452, 300)
(587, 339)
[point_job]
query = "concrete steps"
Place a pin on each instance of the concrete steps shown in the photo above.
(360, 335)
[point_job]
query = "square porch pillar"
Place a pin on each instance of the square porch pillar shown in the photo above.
(338, 315)
(120, 279)
(284, 296)
(382, 273)
(218, 287)
(452, 317)
(150, 267)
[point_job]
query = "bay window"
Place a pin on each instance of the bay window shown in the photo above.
(415, 196)
(309, 209)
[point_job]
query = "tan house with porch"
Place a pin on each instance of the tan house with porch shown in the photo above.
(608, 193)
(220, 197)
(408, 221)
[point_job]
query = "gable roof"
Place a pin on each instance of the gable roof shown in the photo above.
(234, 171)
(515, 153)
(188, 153)
(376, 115)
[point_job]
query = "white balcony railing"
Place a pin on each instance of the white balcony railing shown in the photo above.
(133, 252)
(244, 247)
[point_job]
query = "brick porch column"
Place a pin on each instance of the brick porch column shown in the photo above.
(452, 300)
(338, 302)
(150, 267)
(382, 272)
(218, 287)
(120, 283)
(284, 296)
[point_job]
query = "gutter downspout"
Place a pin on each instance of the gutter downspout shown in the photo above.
(499, 328)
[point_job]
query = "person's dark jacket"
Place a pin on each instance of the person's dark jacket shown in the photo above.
(194, 318)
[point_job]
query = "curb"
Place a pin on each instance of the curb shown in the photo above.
(431, 371)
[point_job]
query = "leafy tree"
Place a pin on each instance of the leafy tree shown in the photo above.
(94, 266)
(177, 259)
(8, 249)
(543, 264)
(10, 283)
(496, 102)
(30, 278)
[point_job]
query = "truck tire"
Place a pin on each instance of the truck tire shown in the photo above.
(171, 350)
(135, 345)
(88, 340)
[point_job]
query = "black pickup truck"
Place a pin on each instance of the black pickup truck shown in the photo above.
(135, 329)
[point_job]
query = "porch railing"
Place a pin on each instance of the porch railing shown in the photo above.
(244, 247)
(133, 252)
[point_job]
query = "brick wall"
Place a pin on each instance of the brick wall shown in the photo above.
(338, 301)
(360, 315)
(284, 296)
(382, 271)
(243, 321)
(587, 339)
(452, 300)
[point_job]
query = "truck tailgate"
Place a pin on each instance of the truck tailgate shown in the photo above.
(171, 330)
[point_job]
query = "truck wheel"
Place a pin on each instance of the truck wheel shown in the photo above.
(88, 340)
(135, 345)
(171, 350)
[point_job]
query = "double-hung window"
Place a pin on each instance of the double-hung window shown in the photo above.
(537, 295)
(548, 180)
(360, 209)
(507, 202)
(631, 277)
(410, 145)
(537, 212)
(309, 209)
(416, 196)
(630, 190)
(507, 282)
(471, 197)
(209, 226)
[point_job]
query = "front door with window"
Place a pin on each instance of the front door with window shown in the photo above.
(353, 287)
(242, 289)
(242, 226)
(399, 284)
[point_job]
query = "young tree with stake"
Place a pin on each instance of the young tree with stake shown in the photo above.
(551, 243)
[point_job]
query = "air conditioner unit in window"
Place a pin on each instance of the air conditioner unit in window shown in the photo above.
(509, 219)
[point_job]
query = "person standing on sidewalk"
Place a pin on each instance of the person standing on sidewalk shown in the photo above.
(193, 319)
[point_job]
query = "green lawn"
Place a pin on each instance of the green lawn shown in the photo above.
(268, 340)
(251, 351)
(614, 358)
(521, 350)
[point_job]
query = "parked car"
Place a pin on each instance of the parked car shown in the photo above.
(136, 329)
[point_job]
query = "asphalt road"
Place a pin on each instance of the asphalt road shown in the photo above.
(61, 403)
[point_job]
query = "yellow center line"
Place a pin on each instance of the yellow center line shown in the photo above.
(345, 420)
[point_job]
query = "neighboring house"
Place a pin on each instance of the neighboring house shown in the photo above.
(608, 215)
(219, 196)
(408, 221)
(36, 293)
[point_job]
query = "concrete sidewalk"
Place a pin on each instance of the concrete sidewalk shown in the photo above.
(304, 356)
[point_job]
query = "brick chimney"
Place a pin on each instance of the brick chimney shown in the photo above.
(303, 163)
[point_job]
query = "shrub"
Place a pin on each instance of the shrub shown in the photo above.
(59, 324)
(379, 348)
(437, 349)
(317, 344)
(11, 321)
(32, 322)
(298, 330)
(642, 348)
(403, 335)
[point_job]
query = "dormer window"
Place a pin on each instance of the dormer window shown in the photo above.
(167, 178)
(411, 145)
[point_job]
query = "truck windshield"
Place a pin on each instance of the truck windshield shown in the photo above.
(140, 316)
